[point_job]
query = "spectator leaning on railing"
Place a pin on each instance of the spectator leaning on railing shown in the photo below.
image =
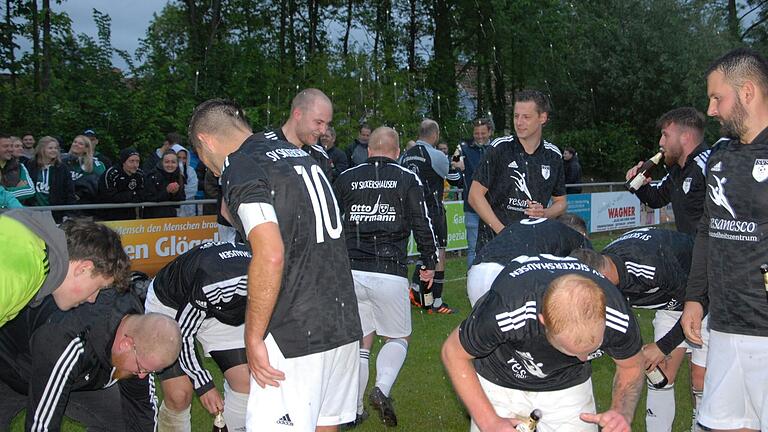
(122, 183)
(164, 183)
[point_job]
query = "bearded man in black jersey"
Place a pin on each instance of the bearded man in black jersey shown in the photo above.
(528, 342)
(302, 327)
(732, 246)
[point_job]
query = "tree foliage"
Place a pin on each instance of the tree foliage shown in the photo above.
(610, 67)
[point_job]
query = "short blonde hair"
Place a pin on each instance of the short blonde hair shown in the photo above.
(573, 304)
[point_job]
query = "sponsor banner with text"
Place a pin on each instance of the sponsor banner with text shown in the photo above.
(457, 235)
(153, 243)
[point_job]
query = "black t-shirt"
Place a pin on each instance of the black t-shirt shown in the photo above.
(653, 266)
(511, 349)
(315, 150)
(432, 167)
(316, 309)
(514, 177)
(732, 239)
(532, 237)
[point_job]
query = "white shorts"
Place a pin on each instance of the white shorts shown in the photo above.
(560, 409)
(383, 304)
(213, 334)
(480, 278)
(319, 390)
(736, 383)
(664, 320)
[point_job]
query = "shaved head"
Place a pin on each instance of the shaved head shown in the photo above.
(384, 141)
(306, 98)
(157, 335)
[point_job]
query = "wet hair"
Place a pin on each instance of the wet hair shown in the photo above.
(155, 335)
(384, 140)
(684, 116)
(530, 95)
(590, 257)
(573, 302)
(741, 65)
(88, 240)
(216, 116)
(308, 97)
(573, 221)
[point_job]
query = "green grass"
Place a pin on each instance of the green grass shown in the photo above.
(423, 396)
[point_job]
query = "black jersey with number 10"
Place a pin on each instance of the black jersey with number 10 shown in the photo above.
(316, 309)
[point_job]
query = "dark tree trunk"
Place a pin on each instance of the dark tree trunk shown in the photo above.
(413, 33)
(281, 36)
(388, 33)
(292, 32)
(314, 12)
(444, 64)
(45, 82)
(733, 20)
(345, 44)
(35, 45)
(9, 40)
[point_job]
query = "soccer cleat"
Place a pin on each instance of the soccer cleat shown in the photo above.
(359, 419)
(414, 296)
(443, 309)
(384, 406)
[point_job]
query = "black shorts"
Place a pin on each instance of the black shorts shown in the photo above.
(437, 215)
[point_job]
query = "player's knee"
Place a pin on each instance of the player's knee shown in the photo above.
(697, 377)
(177, 399)
(238, 378)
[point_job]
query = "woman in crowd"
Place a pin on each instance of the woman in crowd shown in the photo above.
(122, 183)
(164, 183)
(53, 184)
(84, 169)
(18, 149)
(190, 180)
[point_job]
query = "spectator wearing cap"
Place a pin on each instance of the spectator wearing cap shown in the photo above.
(190, 180)
(95, 142)
(150, 162)
(164, 183)
(123, 183)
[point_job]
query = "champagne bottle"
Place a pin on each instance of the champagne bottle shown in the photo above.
(427, 299)
(764, 272)
(531, 422)
(218, 423)
(657, 378)
(638, 180)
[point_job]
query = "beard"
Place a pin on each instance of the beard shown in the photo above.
(735, 126)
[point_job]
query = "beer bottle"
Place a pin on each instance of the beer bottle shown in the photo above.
(657, 378)
(764, 272)
(638, 180)
(427, 299)
(531, 422)
(218, 423)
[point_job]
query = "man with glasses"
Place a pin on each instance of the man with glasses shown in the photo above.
(58, 363)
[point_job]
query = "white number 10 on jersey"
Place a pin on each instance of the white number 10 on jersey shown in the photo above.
(321, 197)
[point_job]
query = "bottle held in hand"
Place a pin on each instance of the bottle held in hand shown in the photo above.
(218, 423)
(427, 299)
(529, 425)
(657, 378)
(764, 272)
(645, 171)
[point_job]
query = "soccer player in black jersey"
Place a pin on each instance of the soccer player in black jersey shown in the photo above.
(302, 327)
(431, 165)
(558, 237)
(205, 291)
(731, 245)
(311, 113)
(92, 363)
(528, 343)
(650, 267)
(685, 156)
(382, 203)
(519, 173)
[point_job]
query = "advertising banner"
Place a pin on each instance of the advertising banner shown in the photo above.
(614, 210)
(153, 243)
(581, 206)
(457, 235)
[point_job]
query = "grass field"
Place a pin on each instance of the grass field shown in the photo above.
(423, 396)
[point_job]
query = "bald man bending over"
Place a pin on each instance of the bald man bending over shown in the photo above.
(382, 202)
(528, 344)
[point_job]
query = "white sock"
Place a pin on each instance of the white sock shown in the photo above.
(697, 394)
(364, 354)
(235, 405)
(388, 363)
(169, 420)
(660, 409)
